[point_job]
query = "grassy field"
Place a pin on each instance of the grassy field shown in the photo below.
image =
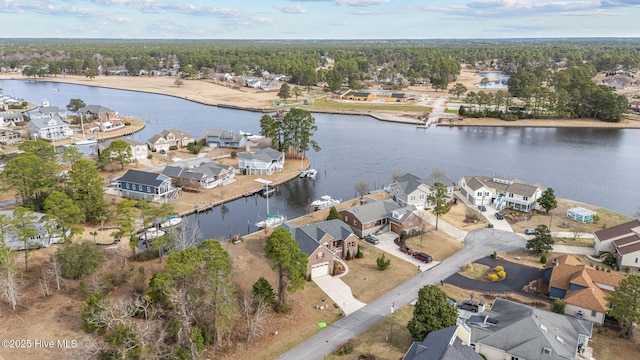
(324, 104)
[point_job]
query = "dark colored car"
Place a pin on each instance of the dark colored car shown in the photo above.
(499, 216)
(406, 250)
(482, 208)
(371, 239)
(423, 257)
(530, 231)
(469, 305)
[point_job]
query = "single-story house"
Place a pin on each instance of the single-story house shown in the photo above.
(583, 288)
(207, 175)
(262, 162)
(514, 331)
(167, 138)
(451, 343)
(48, 128)
(502, 193)
(325, 242)
(603, 239)
(375, 216)
(10, 118)
(139, 150)
(146, 186)
(46, 236)
(225, 139)
(409, 189)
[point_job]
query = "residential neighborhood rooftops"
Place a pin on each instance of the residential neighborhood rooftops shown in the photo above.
(143, 177)
(307, 236)
(515, 186)
(441, 344)
(618, 230)
(374, 210)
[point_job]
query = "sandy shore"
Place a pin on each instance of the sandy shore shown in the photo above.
(217, 94)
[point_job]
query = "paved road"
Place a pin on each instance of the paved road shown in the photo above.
(517, 277)
(479, 243)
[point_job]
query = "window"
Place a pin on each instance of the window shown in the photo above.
(593, 313)
(525, 198)
(320, 255)
(510, 195)
(127, 185)
(636, 260)
(486, 193)
(148, 188)
(479, 193)
(547, 351)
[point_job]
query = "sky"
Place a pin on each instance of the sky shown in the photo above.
(318, 19)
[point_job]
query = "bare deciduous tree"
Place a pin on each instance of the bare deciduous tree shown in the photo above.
(362, 187)
(437, 173)
(9, 284)
(395, 175)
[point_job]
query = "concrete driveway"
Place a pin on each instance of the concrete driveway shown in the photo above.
(387, 245)
(339, 292)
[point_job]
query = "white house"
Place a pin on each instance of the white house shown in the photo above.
(167, 138)
(409, 189)
(51, 129)
(47, 235)
(207, 175)
(139, 150)
(262, 162)
(603, 239)
(503, 193)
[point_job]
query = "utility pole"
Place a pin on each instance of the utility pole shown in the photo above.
(391, 310)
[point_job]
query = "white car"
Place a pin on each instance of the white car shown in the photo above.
(530, 231)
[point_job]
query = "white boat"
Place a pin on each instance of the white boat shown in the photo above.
(87, 141)
(304, 173)
(272, 219)
(151, 234)
(309, 173)
(325, 202)
(172, 221)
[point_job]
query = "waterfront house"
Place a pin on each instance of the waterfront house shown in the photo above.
(48, 128)
(207, 175)
(451, 343)
(262, 162)
(46, 111)
(146, 186)
(95, 112)
(377, 216)
(10, 118)
(325, 243)
(502, 193)
(225, 139)
(409, 189)
(603, 239)
(167, 138)
(514, 331)
(139, 150)
(48, 232)
(583, 288)
(10, 136)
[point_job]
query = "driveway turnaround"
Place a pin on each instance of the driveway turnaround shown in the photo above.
(339, 292)
(479, 243)
(517, 277)
(389, 246)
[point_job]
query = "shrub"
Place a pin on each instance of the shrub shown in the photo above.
(77, 260)
(173, 147)
(150, 156)
(490, 225)
(493, 277)
(502, 274)
(494, 255)
(543, 259)
(283, 309)
(557, 306)
(348, 257)
(596, 218)
(499, 268)
(334, 271)
(234, 154)
(383, 262)
(597, 267)
(345, 349)
(263, 292)
(359, 253)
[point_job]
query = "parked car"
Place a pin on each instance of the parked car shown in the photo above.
(371, 239)
(499, 216)
(425, 258)
(470, 305)
(482, 208)
(530, 231)
(406, 250)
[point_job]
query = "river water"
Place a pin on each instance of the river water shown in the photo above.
(597, 166)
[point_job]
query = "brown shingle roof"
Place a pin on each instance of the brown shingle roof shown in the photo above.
(617, 230)
(629, 248)
(592, 298)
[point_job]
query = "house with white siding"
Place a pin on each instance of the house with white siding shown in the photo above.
(502, 193)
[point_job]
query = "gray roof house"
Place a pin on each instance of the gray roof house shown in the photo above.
(324, 242)
(95, 111)
(262, 162)
(44, 238)
(375, 216)
(409, 189)
(503, 193)
(450, 343)
(48, 128)
(226, 139)
(207, 175)
(146, 185)
(47, 111)
(515, 331)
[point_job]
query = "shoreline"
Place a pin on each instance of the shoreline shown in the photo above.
(246, 99)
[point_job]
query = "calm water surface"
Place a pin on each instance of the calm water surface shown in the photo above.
(598, 166)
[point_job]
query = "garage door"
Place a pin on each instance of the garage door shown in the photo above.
(319, 270)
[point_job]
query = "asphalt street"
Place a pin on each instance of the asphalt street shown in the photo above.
(478, 244)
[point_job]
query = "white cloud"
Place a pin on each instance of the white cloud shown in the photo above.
(361, 2)
(291, 9)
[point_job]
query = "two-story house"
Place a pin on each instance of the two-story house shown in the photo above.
(264, 161)
(583, 288)
(375, 216)
(48, 128)
(225, 139)
(48, 234)
(139, 150)
(207, 175)
(167, 138)
(146, 186)
(324, 242)
(502, 193)
(409, 189)
(627, 233)
(514, 331)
